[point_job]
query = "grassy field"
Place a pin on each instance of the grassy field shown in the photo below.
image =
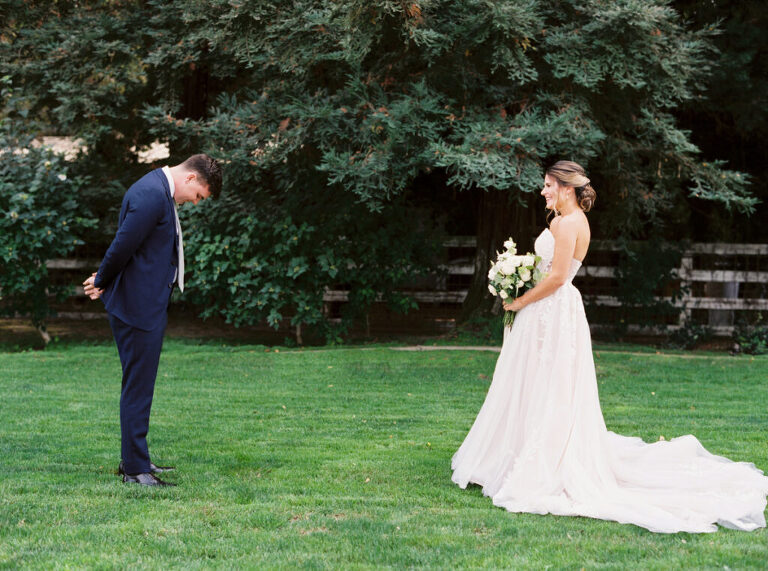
(332, 458)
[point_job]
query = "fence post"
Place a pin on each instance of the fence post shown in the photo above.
(684, 272)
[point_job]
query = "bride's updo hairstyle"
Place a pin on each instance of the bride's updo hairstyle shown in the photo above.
(568, 173)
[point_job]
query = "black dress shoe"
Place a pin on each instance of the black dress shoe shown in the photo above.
(145, 480)
(158, 469)
(152, 468)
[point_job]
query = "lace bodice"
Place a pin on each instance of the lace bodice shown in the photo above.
(545, 247)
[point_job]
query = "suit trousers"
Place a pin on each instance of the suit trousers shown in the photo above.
(139, 355)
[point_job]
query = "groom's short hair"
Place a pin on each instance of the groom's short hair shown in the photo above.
(208, 169)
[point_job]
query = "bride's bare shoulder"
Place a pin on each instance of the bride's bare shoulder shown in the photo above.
(565, 224)
(557, 223)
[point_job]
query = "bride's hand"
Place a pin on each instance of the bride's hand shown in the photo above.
(514, 305)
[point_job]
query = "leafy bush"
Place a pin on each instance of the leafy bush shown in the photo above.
(647, 270)
(752, 339)
(40, 219)
(688, 336)
(274, 265)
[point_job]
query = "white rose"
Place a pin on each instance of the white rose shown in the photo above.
(528, 260)
(507, 267)
(503, 294)
(510, 245)
(492, 290)
(62, 176)
(517, 260)
(493, 272)
(525, 275)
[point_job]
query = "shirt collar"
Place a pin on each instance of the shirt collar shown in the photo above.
(167, 172)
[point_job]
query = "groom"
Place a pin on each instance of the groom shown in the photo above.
(135, 281)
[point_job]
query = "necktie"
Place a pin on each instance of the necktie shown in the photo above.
(180, 268)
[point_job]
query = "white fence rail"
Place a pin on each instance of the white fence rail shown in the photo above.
(694, 284)
(720, 292)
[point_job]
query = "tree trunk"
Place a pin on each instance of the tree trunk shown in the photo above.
(194, 97)
(194, 105)
(500, 215)
(299, 340)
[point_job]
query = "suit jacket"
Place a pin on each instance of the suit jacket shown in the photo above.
(138, 270)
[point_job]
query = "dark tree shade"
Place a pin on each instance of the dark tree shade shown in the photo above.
(730, 119)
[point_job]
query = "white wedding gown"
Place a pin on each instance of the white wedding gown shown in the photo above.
(540, 444)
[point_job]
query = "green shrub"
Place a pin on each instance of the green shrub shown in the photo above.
(688, 336)
(752, 339)
(40, 218)
(647, 270)
(275, 265)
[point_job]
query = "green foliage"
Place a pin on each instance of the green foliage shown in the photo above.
(322, 110)
(80, 68)
(688, 336)
(647, 269)
(269, 266)
(752, 339)
(41, 218)
(481, 329)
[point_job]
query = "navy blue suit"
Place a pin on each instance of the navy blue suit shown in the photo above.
(137, 275)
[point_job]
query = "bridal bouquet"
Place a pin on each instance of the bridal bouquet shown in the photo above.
(511, 275)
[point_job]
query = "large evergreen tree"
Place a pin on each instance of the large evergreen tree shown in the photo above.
(330, 116)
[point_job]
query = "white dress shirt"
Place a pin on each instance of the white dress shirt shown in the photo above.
(180, 268)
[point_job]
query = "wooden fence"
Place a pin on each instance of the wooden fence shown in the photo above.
(718, 284)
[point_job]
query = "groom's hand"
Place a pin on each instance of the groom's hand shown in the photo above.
(90, 289)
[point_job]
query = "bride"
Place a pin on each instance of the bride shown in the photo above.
(540, 444)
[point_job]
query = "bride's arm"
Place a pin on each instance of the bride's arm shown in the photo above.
(565, 232)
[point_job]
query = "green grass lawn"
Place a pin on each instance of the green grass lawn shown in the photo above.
(333, 458)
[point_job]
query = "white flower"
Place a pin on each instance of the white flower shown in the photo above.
(62, 176)
(525, 275)
(492, 273)
(503, 294)
(528, 260)
(508, 267)
(510, 245)
(492, 290)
